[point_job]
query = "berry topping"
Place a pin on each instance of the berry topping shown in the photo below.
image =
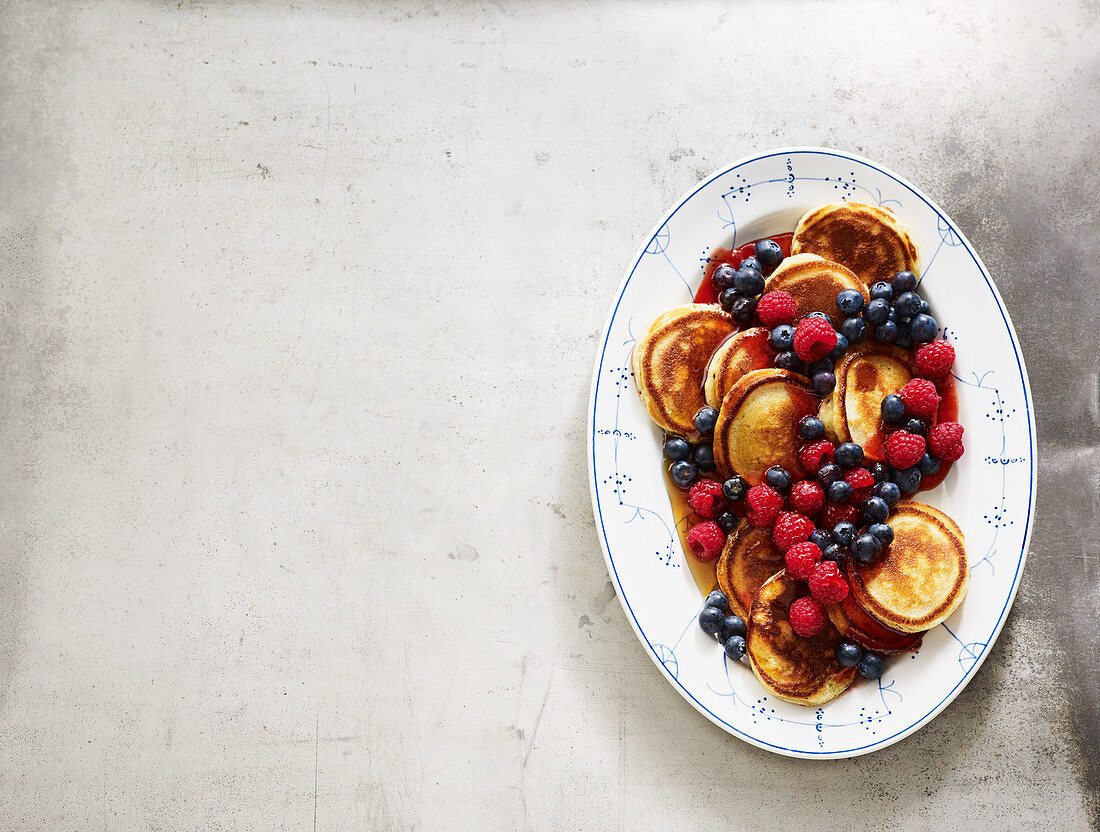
(904, 449)
(728, 297)
(732, 625)
(882, 290)
(880, 471)
(677, 448)
(776, 308)
(914, 426)
(706, 499)
(823, 383)
(782, 338)
(748, 281)
(870, 666)
(840, 492)
(743, 308)
(791, 528)
(836, 513)
(807, 497)
(814, 338)
(874, 510)
(787, 360)
(706, 540)
(710, 620)
(727, 521)
(849, 454)
(923, 327)
(893, 409)
(928, 465)
(705, 420)
(683, 473)
(811, 428)
(801, 559)
(876, 312)
(807, 616)
(904, 282)
(839, 349)
(827, 585)
(849, 302)
(920, 397)
(848, 654)
(778, 478)
(722, 277)
(718, 599)
(735, 488)
(816, 454)
(907, 304)
(703, 456)
(866, 547)
(764, 505)
(884, 533)
(735, 647)
(886, 332)
(829, 473)
(853, 329)
(945, 440)
(821, 539)
(768, 253)
(908, 479)
(862, 481)
(934, 359)
(844, 533)
(832, 552)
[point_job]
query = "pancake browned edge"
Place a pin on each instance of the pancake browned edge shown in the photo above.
(746, 351)
(920, 578)
(868, 239)
(758, 424)
(865, 375)
(670, 362)
(796, 669)
(748, 559)
(814, 283)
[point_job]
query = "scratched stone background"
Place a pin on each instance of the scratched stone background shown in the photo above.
(298, 308)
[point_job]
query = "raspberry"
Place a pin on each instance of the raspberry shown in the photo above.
(791, 528)
(945, 441)
(827, 585)
(706, 540)
(814, 338)
(807, 616)
(934, 359)
(801, 560)
(904, 449)
(838, 513)
(816, 454)
(807, 497)
(706, 499)
(862, 481)
(920, 397)
(764, 504)
(776, 308)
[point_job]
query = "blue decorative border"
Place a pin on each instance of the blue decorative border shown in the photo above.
(945, 224)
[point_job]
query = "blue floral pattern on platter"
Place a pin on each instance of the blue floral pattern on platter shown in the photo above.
(990, 492)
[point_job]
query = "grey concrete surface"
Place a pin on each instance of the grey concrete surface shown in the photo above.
(298, 307)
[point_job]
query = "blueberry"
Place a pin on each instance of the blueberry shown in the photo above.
(904, 338)
(884, 533)
(706, 419)
(907, 304)
(925, 309)
(683, 473)
(710, 620)
(735, 488)
(818, 315)
(828, 474)
(870, 666)
(853, 329)
(718, 599)
(743, 309)
(703, 456)
(888, 492)
(735, 647)
(840, 492)
(732, 625)
(876, 312)
(821, 539)
(893, 315)
(924, 328)
(850, 302)
(727, 521)
(882, 291)
(778, 478)
(787, 360)
(811, 428)
(880, 471)
(677, 448)
(769, 253)
(748, 281)
(848, 654)
(840, 348)
(844, 533)
(875, 510)
(727, 298)
(823, 383)
(782, 338)
(722, 277)
(866, 548)
(893, 409)
(914, 426)
(928, 465)
(904, 282)
(848, 454)
(832, 552)
(886, 332)
(752, 263)
(908, 479)
(816, 367)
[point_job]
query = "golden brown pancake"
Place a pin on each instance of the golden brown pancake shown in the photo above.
(865, 375)
(814, 283)
(748, 559)
(800, 670)
(670, 363)
(758, 424)
(920, 578)
(868, 239)
(744, 352)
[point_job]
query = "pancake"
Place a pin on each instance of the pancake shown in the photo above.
(868, 239)
(814, 283)
(748, 559)
(670, 362)
(744, 352)
(920, 578)
(855, 625)
(758, 424)
(800, 670)
(865, 375)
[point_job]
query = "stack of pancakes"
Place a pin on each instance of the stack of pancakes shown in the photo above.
(694, 356)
